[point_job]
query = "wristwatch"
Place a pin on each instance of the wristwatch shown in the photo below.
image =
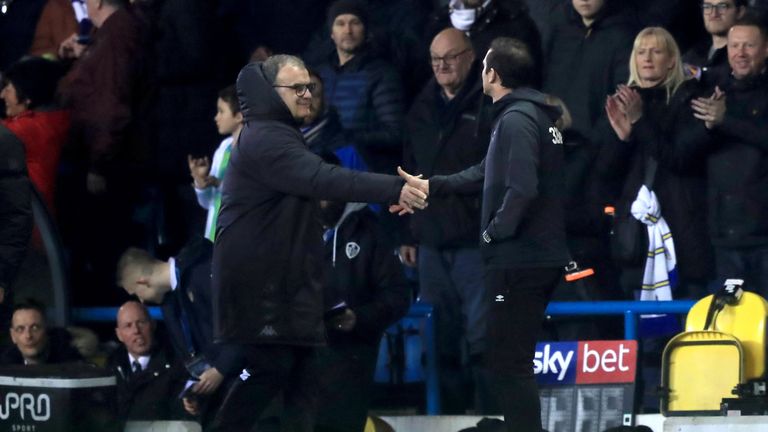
(486, 236)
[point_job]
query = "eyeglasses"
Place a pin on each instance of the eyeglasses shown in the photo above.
(450, 60)
(300, 89)
(708, 8)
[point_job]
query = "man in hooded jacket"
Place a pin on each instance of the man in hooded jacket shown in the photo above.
(267, 260)
(522, 223)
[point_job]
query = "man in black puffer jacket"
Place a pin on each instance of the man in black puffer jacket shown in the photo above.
(267, 258)
(522, 224)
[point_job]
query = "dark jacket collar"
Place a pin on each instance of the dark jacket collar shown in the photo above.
(526, 94)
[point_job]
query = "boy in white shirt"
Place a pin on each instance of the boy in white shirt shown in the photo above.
(208, 176)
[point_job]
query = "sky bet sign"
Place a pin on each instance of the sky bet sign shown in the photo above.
(585, 362)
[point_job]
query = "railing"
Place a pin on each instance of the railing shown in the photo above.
(631, 310)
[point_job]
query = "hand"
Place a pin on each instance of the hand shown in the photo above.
(408, 255)
(96, 183)
(413, 195)
(344, 322)
(199, 169)
(191, 406)
(415, 181)
(630, 103)
(618, 120)
(70, 49)
(711, 110)
(210, 380)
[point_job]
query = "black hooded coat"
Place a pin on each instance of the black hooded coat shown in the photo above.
(268, 256)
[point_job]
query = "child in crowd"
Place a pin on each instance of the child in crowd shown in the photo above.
(208, 176)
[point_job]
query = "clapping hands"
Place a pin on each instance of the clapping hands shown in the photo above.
(624, 108)
(711, 110)
(413, 195)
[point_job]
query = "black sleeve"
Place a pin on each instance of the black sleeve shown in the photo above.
(466, 182)
(15, 206)
(289, 167)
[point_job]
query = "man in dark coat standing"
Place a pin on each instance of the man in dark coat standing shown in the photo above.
(447, 132)
(267, 260)
(149, 380)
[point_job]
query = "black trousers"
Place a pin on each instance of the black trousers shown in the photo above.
(519, 298)
(345, 374)
(272, 369)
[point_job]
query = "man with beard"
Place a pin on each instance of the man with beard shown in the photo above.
(522, 224)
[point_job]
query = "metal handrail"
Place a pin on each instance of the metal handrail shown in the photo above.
(630, 309)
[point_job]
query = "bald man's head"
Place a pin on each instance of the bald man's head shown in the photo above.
(451, 56)
(135, 328)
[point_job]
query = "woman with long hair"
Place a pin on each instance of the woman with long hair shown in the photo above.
(652, 119)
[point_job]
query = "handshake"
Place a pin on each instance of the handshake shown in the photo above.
(413, 195)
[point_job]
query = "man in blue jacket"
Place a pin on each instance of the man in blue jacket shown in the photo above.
(522, 224)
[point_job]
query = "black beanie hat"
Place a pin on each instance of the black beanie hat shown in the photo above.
(353, 7)
(36, 79)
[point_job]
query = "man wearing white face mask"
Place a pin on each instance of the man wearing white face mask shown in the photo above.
(485, 20)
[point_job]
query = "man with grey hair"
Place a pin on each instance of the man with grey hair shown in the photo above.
(267, 260)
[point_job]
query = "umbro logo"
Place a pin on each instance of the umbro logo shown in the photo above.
(268, 330)
(499, 298)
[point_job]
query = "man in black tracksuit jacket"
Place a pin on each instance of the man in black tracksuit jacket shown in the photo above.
(522, 224)
(365, 292)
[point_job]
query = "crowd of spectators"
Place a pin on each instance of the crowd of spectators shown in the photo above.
(112, 103)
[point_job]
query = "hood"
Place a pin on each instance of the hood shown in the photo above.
(529, 95)
(348, 210)
(258, 100)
